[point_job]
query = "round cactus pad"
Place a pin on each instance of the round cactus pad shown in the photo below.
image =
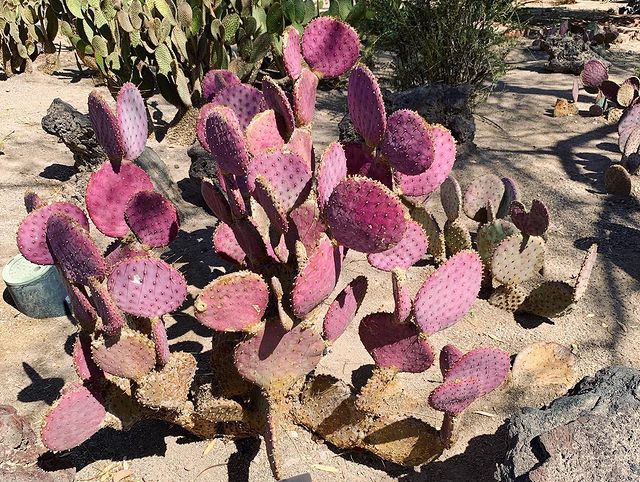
(275, 355)
(409, 250)
(331, 170)
(366, 106)
(146, 287)
(344, 308)
(225, 138)
(108, 193)
(245, 100)
(131, 355)
(216, 200)
(215, 81)
(454, 397)
(330, 46)
(152, 218)
(32, 233)
(365, 216)
(233, 302)
(75, 417)
(105, 126)
(408, 144)
(318, 278)
(263, 134)
(443, 159)
(74, 250)
(449, 292)
(483, 190)
(304, 97)
(395, 345)
(132, 120)
(514, 263)
(451, 198)
(226, 245)
(291, 54)
(489, 366)
(594, 73)
(534, 222)
(276, 99)
(448, 356)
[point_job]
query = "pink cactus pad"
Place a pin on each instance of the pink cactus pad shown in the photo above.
(146, 287)
(263, 134)
(276, 99)
(482, 191)
(594, 73)
(317, 279)
(201, 124)
(74, 250)
(291, 54)
(152, 218)
(330, 46)
(629, 122)
(105, 126)
(408, 144)
(287, 173)
(75, 417)
(409, 250)
(449, 292)
(454, 397)
(234, 194)
(365, 216)
(301, 143)
(119, 251)
(159, 336)
(395, 345)
(245, 100)
(430, 180)
(112, 319)
(215, 81)
(32, 201)
(489, 366)
(360, 162)
(225, 139)
(216, 200)
(448, 356)
(278, 356)
(132, 355)
(344, 308)
(304, 97)
(309, 227)
(366, 106)
(535, 222)
(250, 240)
(401, 295)
(266, 196)
(226, 245)
(108, 193)
(84, 365)
(132, 120)
(32, 233)
(331, 170)
(81, 308)
(233, 302)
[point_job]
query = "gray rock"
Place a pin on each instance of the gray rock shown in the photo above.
(202, 164)
(568, 53)
(590, 434)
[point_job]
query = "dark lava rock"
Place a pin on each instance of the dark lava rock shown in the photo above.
(568, 53)
(590, 434)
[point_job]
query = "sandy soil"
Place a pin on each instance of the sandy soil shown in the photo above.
(560, 161)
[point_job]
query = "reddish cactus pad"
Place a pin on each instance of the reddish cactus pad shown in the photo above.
(75, 417)
(278, 356)
(108, 193)
(395, 345)
(105, 126)
(330, 46)
(411, 248)
(159, 336)
(301, 143)
(233, 302)
(32, 233)
(454, 397)
(317, 279)
(32, 201)
(81, 308)
(132, 355)
(215, 81)
(365, 216)
(366, 106)
(146, 287)
(408, 144)
(344, 308)
(226, 245)
(276, 99)
(449, 292)
(264, 193)
(245, 100)
(448, 356)
(74, 250)
(594, 73)
(225, 139)
(152, 218)
(216, 200)
(309, 227)
(291, 54)
(332, 170)
(534, 222)
(360, 162)
(263, 134)
(304, 97)
(132, 120)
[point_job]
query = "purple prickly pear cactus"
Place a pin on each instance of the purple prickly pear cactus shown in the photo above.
(225, 140)
(276, 99)
(360, 162)
(291, 54)
(132, 121)
(216, 200)
(85, 367)
(131, 355)
(534, 222)
(244, 100)
(301, 143)
(263, 134)
(408, 143)
(226, 245)
(81, 308)
(112, 320)
(366, 106)
(594, 73)
(215, 81)
(159, 336)
(105, 126)
(331, 170)
(304, 97)
(32, 201)
(343, 309)
(152, 218)
(410, 249)
(330, 46)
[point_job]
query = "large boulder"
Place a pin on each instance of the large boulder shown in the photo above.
(590, 434)
(568, 53)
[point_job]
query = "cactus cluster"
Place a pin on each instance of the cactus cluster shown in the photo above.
(511, 241)
(612, 99)
(622, 178)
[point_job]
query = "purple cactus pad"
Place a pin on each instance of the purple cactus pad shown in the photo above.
(131, 355)
(132, 120)
(112, 320)
(361, 162)
(594, 73)
(366, 106)
(408, 144)
(152, 218)
(85, 367)
(291, 54)
(301, 143)
(225, 139)
(454, 397)
(489, 366)
(276, 99)
(105, 126)
(266, 196)
(331, 170)
(215, 81)
(448, 356)
(330, 46)
(226, 245)
(159, 336)
(482, 191)
(309, 227)
(304, 97)
(245, 101)
(534, 222)
(216, 200)
(344, 308)
(409, 250)
(81, 308)
(263, 134)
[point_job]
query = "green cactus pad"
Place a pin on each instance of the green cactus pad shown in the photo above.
(456, 236)
(130, 355)
(492, 234)
(514, 263)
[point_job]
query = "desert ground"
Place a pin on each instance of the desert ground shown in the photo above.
(558, 160)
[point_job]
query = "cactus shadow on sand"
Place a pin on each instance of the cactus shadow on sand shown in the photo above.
(40, 389)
